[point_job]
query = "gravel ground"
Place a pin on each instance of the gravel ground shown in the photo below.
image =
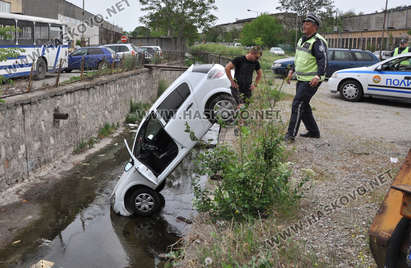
(357, 143)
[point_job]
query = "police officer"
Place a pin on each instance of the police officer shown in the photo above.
(310, 66)
(402, 49)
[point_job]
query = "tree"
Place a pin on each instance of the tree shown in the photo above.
(265, 29)
(140, 31)
(302, 7)
(178, 18)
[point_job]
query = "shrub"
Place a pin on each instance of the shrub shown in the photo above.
(162, 86)
(254, 180)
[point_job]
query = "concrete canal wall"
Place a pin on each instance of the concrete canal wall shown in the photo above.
(30, 137)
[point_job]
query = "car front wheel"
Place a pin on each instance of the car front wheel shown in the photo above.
(144, 201)
(351, 90)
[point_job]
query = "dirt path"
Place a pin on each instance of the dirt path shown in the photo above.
(357, 143)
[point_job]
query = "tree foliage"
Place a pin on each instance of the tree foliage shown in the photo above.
(302, 7)
(140, 31)
(263, 30)
(178, 18)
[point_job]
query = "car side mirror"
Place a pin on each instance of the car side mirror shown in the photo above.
(379, 68)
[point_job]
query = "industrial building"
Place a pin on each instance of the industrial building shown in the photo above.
(365, 31)
(78, 22)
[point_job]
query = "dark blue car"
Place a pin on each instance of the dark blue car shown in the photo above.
(95, 58)
(338, 59)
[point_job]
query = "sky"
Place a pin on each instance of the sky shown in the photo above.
(228, 10)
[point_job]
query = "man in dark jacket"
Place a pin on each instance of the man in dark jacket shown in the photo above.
(310, 67)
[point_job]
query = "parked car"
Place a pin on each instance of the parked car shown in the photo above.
(165, 136)
(277, 51)
(237, 45)
(153, 50)
(338, 59)
(389, 78)
(123, 49)
(94, 58)
(385, 54)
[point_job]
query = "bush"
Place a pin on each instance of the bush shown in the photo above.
(254, 180)
(162, 86)
(137, 112)
(218, 49)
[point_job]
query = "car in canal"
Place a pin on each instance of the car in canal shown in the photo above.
(338, 59)
(387, 79)
(175, 123)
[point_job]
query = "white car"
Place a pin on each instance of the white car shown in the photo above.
(172, 127)
(389, 78)
(123, 49)
(277, 51)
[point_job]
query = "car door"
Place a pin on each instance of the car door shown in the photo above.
(180, 114)
(94, 56)
(393, 78)
(76, 57)
(363, 58)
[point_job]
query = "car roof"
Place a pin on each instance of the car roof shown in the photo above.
(350, 49)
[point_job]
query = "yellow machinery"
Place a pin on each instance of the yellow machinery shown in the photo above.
(390, 233)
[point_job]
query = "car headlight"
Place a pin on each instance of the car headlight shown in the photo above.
(335, 75)
(277, 65)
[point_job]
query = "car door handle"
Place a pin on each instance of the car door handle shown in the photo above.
(189, 106)
(407, 78)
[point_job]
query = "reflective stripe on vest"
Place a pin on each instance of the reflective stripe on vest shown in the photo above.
(305, 63)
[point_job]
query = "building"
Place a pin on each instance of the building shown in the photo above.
(91, 27)
(365, 31)
(285, 18)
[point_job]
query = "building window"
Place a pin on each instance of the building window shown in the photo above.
(4, 7)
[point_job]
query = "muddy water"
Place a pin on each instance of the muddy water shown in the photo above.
(78, 228)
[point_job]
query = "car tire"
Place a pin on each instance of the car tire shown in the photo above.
(41, 68)
(221, 106)
(393, 257)
(162, 201)
(351, 90)
(144, 202)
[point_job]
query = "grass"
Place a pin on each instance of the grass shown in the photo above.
(103, 132)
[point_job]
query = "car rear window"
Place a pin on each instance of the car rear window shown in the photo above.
(115, 48)
(170, 105)
(363, 56)
(203, 68)
(342, 55)
(123, 49)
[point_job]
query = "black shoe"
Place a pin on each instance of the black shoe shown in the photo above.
(288, 138)
(311, 135)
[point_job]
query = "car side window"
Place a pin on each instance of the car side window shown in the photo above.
(80, 52)
(342, 56)
(402, 64)
(170, 105)
(363, 56)
(123, 49)
(330, 55)
(95, 51)
(115, 48)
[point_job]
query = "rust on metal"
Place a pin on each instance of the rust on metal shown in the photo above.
(389, 214)
(406, 199)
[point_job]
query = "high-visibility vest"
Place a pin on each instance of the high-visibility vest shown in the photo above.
(305, 63)
(406, 62)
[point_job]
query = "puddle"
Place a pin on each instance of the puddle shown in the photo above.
(78, 228)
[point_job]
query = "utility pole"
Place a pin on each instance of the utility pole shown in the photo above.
(82, 34)
(383, 27)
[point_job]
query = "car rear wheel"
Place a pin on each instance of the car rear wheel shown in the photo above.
(399, 246)
(144, 201)
(351, 90)
(222, 107)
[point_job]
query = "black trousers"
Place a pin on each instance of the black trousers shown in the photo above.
(241, 95)
(301, 109)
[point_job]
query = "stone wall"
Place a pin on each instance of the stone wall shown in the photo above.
(31, 138)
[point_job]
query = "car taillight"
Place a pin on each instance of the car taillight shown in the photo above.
(215, 74)
(133, 53)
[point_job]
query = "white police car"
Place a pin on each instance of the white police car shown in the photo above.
(389, 78)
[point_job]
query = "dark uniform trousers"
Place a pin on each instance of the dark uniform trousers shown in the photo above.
(301, 109)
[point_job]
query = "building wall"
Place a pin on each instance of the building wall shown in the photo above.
(166, 43)
(30, 138)
(15, 6)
